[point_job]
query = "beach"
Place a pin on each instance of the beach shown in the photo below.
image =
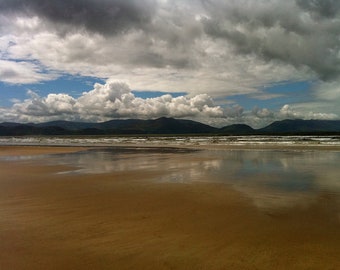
(55, 216)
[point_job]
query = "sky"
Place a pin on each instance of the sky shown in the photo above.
(219, 62)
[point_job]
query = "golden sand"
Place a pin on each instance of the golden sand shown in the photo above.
(122, 220)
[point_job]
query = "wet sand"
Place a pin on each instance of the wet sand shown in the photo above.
(36, 150)
(122, 220)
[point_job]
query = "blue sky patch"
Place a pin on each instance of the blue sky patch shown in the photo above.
(71, 85)
(276, 95)
(154, 94)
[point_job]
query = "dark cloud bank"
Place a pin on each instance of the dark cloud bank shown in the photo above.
(300, 33)
(105, 16)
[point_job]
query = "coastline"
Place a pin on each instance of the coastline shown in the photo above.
(199, 142)
(37, 149)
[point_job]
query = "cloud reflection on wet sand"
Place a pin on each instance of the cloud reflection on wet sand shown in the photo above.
(272, 179)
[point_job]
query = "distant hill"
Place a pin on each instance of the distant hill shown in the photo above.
(165, 126)
(302, 127)
(161, 125)
(237, 129)
(25, 129)
(67, 125)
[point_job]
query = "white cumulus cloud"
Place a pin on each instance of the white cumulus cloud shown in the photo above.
(108, 101)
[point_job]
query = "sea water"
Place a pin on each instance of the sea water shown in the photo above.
(172, 140)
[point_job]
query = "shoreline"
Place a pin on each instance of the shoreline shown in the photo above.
(192, 142)
(39, 149)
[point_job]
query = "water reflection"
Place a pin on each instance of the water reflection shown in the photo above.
(270, 179)
(119, 159)
(282, 179)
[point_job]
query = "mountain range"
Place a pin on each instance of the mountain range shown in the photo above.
(168, 126)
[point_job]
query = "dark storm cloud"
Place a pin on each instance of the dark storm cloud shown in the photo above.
(104, 16)
(302, 33)
(322, 8)
(149, 33)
